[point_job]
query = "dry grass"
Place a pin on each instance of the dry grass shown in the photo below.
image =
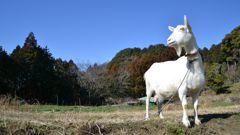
(103, 117)
(7, 100)
(11, 110)
(14, 119)
(89, 123)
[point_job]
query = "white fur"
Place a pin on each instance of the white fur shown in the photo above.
(164, 78)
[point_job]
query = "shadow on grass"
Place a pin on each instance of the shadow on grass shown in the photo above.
(207, 117)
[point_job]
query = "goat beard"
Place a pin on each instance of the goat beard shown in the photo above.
(178, 50)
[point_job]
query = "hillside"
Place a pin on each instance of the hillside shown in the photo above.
(31, 73)
(221, 63)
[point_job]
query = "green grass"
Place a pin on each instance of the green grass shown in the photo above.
(175, 129)
(220, 103)
(113, 108)
(235, 88)
(55, 108)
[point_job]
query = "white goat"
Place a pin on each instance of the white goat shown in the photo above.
(184, 75)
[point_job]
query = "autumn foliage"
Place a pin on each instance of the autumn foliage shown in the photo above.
(31, 73)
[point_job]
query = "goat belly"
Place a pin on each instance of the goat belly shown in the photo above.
(167, 94)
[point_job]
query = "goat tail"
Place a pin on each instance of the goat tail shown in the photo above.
(147, 84)
(144, 77)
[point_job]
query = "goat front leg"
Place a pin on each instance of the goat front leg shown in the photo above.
(183, 98)
(195, 105)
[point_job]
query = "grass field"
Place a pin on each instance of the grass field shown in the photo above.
(217, 116)
(55, 108)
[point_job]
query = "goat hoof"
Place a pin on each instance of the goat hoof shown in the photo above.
(146, 117)
(186, 123)
(197, 122)
(161, 116)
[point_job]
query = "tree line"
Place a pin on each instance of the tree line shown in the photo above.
(33, 74)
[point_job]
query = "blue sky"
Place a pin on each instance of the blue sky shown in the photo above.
(95, 30)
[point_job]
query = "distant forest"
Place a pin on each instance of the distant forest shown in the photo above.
(32, 74)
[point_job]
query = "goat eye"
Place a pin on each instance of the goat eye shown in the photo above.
(182, 29)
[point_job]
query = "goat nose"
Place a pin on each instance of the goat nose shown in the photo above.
(169, 39)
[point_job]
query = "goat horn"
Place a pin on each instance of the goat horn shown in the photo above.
(187, 24)
(185, 21)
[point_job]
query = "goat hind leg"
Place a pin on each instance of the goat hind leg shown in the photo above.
(160, 102)
(149, 94)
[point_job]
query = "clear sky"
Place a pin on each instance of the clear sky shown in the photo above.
(95, 30)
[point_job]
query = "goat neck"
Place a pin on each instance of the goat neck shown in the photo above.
(191, 49)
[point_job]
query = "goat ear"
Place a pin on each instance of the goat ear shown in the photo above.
(171, 28)
(186, 24)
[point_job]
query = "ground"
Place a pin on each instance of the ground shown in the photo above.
(219, 115)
